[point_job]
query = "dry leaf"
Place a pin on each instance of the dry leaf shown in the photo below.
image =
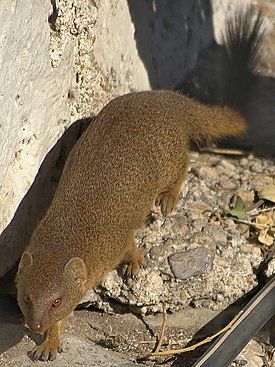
(265, 238)
(268, 193)
(263, 219)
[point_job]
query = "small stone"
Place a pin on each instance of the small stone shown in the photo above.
(228, 166)
(270, 271)
(158, 252)
(216, 232)
(247, 196)
(198, 224)
(227, 184)
(243, 162)
(252, 354)
(186, 264)
(257, 167)
(229, 223)
(209, 174)
(202, 239)
(179, 223)
(260, 181)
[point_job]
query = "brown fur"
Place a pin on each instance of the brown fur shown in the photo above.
(135, 153)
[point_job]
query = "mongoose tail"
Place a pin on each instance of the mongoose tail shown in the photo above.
(242, 40)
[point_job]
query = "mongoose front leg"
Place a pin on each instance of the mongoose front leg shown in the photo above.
(47, 351)
(133, 260)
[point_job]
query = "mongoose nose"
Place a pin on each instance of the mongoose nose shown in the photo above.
(37, 328)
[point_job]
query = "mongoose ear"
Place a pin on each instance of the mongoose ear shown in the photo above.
(77, 269)
(25, 262)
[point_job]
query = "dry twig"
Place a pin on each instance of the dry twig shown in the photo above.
(252, 223)
(164, 322)
(224, 151)
(188, 349)
(255, 212)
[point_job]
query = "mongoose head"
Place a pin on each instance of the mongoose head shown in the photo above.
(47, 294)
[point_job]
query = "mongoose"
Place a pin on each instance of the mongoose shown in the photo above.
(134, 154)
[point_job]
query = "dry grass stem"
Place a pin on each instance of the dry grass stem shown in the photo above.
(164, 322)
(188, 349)
(224, 151)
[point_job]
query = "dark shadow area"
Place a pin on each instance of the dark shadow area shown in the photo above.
(11, 328)
(205, 83)
(16, 236)
(169, 36)
(174, 40)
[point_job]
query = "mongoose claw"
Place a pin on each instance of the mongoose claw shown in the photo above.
(131, 269)
(45, 352)
(167, 201)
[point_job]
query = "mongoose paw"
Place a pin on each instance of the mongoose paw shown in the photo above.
(167, 201)
(47, 351)
(131, 268)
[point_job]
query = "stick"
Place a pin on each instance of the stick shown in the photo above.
(224, 151)
(251, 212)
(205, 341)
(251, 223)
(164, 322)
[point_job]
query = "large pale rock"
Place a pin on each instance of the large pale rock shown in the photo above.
(33, 105)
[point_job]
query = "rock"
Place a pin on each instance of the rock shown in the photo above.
(270, 271)
(192, 262)
(227, 184)
(216, 232)
(36, 109)
(251, 356)
(257, 167)
(158, 252)
(229, 167)
(209, 174)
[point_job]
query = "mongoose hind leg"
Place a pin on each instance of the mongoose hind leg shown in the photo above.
(51, 346)
(133, 260)
(167, 200)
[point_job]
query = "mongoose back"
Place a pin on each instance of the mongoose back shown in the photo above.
(134, 153)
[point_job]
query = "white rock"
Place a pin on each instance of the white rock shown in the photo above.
(33, 104)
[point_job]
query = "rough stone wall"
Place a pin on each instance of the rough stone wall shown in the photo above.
(33, 104)
(53, 73)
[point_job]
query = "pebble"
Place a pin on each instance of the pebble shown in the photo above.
(227, 184)
(186, 264)
(257, 167)
(209, 174)
(243, 162)
(228, 166)
(251, 356)
(247, 196)
(158, 252)
(198, 224)
(216, 232)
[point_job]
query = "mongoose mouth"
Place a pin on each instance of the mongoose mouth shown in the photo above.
(37, 327)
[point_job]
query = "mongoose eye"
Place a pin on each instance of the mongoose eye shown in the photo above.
(56, 303)
(26, 299)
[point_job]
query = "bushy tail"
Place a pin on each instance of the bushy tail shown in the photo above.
(211, 123)
(242, 40)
